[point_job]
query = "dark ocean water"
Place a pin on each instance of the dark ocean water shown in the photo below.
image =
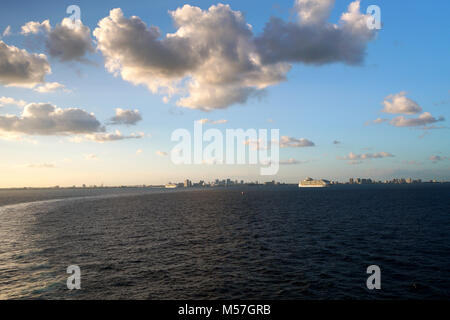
(270, 243)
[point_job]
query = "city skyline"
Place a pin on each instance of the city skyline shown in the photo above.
(96, 107)
(188, 183)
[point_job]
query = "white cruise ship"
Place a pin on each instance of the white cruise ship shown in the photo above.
(311, 183)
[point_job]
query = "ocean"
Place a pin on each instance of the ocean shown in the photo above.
(226, 243)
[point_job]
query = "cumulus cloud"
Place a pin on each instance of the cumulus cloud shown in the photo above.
(116, 136)
(47, 119)
(67, 41)
(50, 87)
(356, 158)
(290, 142)
(213, 60)
(312, 40)
(211, 56)
(127, 117)
(35, 27)
(162, 153)
(313, 12)
(20, 68)
(400, 104)
(424, 119)
(8, 101)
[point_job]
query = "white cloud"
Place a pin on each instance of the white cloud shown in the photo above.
(290, 142)
(400, 104)
(285, 142)
(67, 41)
(204, 121)
(47, 119)
(221, 121)
(424, 119)
(50, 87)
(211, 56)
(312, 40)
(213, 60)
(7, 101)
(127, 117)
(20, 68)
(162, 153)
(108, 137)
(313, 12)
(357, 158)
(35, 27)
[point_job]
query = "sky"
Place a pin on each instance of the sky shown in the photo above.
(97, 102)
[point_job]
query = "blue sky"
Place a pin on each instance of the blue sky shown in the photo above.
(334, 101)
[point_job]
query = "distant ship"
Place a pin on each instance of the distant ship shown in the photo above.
(311, 183)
